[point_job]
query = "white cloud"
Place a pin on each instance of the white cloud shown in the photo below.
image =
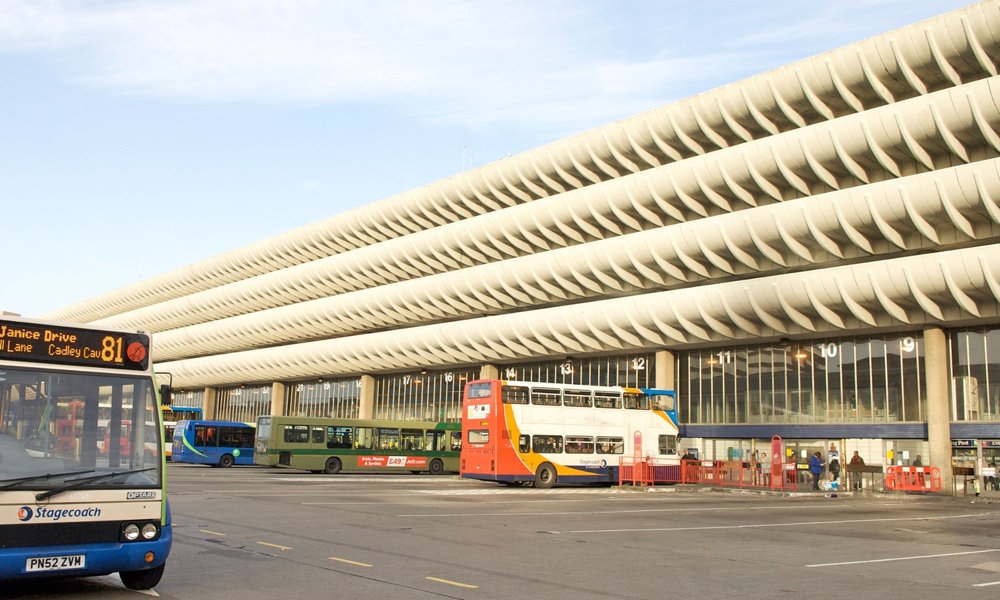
(468, 63)
(455, 62)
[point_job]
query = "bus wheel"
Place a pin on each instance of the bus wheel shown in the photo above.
(436, 467)
(142, 580)
(545, 476)
(226, 461)
(332, 466)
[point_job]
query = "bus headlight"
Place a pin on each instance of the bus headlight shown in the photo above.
(131, 532)
(149, 531)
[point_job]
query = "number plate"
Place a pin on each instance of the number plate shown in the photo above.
(56, 563)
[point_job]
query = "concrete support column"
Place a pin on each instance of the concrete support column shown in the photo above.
(938, 406)
(366, 400)
(489, 372)
(209, 408)
(665, 370)
(277, 399)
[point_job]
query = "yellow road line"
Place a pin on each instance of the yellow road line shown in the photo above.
(465, 585)
(274, 546)
(350, 562)
(212, 532)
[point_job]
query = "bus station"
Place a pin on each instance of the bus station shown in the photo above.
(809, 253)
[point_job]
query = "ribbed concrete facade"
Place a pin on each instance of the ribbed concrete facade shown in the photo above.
(854, 192)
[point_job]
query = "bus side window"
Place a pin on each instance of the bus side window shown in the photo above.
(318, 435)
(607, 400)
(227, 436)
(364, 438)
(548, 443)
(663, 402)
(456, 441)
(339, 437)
(523, 444)
(667, 444)
(610, 445)
(435, 441)
(388, 439)
(514, 394)
(411, 439)
(297, 434)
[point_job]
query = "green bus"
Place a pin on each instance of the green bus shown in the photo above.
(330, 445)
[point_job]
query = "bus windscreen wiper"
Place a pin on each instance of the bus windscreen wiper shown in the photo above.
(85, 480)
(6, 484)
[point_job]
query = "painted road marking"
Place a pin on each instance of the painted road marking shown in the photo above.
(210, 532)
(465, 585)
(350, 562)
(683, 510)
(274, 546)
(918, 557)
(509, 492)
(764, 525)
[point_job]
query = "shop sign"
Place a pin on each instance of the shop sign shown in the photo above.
(963, 443)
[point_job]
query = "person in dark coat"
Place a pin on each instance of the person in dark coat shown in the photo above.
(816, 468)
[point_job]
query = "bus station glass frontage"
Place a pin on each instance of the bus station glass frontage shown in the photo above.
(625, 370)
(337, 399)
(422, 396)
(975, 366)
(850, 380)
(243, 403)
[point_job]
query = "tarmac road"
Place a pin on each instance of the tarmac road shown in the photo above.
(250, 532)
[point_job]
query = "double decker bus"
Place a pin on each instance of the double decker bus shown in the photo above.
(331, 445)
(171, 416)
(216, 443)
(75, 501)
(520, 432)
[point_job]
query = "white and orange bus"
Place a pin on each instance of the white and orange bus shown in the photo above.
(519, 432)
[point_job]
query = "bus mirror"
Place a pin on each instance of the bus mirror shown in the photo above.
(165, 392)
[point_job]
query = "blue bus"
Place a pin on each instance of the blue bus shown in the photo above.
(76, 501)
(171, 416)
(216, 443)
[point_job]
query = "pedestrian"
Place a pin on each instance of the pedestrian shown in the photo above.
(856, 461)
(689, 463)
(765, 469)
(816, 468)
(834, 469)
(917, 462)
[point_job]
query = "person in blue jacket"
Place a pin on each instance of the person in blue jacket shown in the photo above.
(816, 468)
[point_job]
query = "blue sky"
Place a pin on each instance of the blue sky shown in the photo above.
(138, 137)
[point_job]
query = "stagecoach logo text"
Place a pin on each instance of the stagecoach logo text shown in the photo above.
(25, 513)
(140, 495)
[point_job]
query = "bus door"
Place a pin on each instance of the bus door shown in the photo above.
(206, 441)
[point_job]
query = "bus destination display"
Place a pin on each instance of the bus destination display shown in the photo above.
(73, 346)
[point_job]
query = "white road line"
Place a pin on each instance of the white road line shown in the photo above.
(593, 512)
(986, 584)
(883, 560)
(764, 525)
(684, 510)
